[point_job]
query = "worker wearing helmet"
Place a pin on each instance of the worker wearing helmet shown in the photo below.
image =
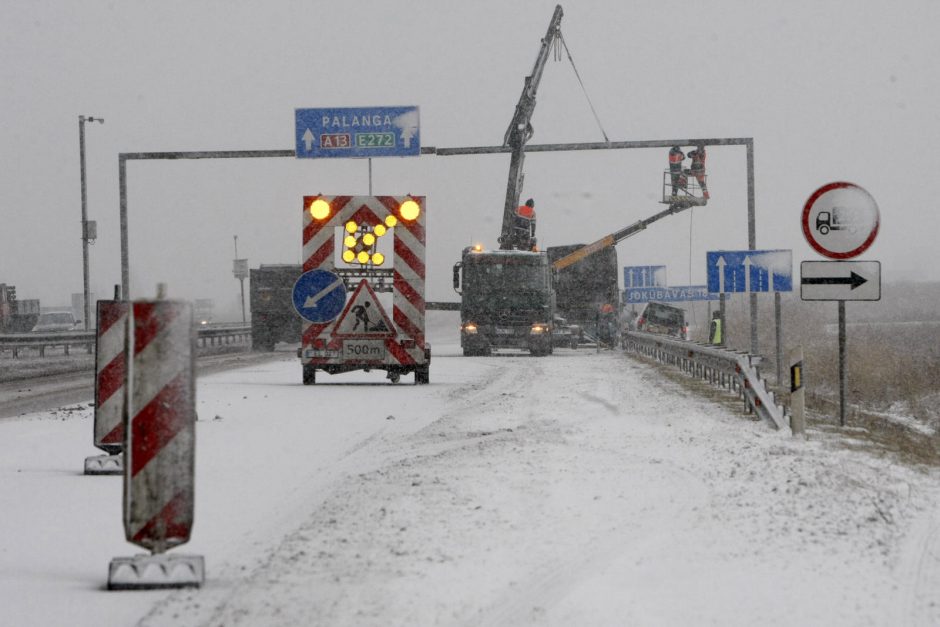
(524, 226)
(676, 158)
(698, 168)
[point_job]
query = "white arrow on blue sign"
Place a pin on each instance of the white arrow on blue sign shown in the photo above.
(644, 276)
(319, 295)
(357, 132)
(749, 271)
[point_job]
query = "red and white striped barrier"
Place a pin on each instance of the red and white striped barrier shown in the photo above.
(109, 388)
(159, 446)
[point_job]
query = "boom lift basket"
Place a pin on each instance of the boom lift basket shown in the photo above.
(689, 191)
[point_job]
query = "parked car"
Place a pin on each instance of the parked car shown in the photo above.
(53, 321)
(664, 319)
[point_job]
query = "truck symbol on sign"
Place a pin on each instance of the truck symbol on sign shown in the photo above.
(839, 219)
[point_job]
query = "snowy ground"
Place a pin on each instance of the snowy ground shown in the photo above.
(578, 489)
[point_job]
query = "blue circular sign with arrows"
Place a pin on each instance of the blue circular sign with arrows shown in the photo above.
(319, 295)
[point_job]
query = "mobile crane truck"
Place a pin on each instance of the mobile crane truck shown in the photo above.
(508, 296)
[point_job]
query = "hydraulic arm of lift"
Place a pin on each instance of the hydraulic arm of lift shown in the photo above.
(617, 236)
(520, 128)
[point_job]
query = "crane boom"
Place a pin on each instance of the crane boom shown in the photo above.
(617, 236)
(520, 128)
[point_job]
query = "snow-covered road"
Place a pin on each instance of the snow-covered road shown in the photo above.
(578, 489)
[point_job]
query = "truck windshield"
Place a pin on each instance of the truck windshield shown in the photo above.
(499, 276)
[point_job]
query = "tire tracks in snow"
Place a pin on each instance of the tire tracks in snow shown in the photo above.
(920, 576)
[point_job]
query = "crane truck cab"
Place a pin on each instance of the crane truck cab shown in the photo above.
(507, 301)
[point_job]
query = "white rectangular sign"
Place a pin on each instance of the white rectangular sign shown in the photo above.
(840, 280)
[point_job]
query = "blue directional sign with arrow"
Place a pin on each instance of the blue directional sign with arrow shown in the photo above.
(357, 132)
(644, 276)
(319, 295)
(750, 271)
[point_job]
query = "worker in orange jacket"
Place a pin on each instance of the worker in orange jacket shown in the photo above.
(698, 168)
(676, 158)
(524, 226)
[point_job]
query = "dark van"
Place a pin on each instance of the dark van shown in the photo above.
(664, 319)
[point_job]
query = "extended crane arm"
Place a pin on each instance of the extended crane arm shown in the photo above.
(520, 128)
(617, 236)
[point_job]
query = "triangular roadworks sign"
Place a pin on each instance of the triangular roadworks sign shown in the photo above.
(363, 316)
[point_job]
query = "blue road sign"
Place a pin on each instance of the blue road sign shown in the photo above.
(644, 276)
(357, 132)
(319, 295)
(749, 271)
(679, 293)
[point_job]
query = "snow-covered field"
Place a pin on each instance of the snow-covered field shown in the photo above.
(577, 489)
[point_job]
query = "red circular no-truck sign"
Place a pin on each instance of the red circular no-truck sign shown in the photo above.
(840, 220)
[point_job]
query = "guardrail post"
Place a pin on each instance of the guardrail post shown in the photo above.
(797, 392)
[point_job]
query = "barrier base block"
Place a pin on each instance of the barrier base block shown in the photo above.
(152, 572)
(105, 465)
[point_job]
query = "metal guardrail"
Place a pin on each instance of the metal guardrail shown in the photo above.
(207, 335)
(721, 367)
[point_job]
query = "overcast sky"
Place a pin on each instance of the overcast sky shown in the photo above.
(828, 90)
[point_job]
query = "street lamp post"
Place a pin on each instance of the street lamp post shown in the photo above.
(85, 235)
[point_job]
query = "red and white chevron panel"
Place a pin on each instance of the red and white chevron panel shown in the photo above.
(109, 375)
(408, 241)
(159, 453)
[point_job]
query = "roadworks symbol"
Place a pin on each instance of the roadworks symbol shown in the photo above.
(363, 316)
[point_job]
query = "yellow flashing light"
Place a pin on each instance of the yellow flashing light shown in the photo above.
(350, 241)
(349, 256)
(351, 226)
(410, 210)
(362, 257)
(378, 259)
(368, 239)
(478, 248)
(319, 209)
(391, 221)
(379, 230)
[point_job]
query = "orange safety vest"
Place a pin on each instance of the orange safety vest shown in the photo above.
(675, 159)
(526, 211)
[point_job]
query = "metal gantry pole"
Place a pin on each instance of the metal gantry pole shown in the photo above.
(752, 239)
(748, 142)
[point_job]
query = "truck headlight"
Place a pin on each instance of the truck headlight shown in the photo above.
(470, 328)
(538, 328)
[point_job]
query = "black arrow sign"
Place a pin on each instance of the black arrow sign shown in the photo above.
(855, 280)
